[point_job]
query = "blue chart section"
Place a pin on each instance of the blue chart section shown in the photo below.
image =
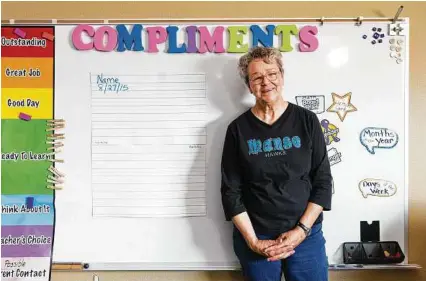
(27, 210)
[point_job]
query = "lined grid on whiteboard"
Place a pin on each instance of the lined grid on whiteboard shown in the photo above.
(148, 145)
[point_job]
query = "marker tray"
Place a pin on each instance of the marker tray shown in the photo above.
(372, 252)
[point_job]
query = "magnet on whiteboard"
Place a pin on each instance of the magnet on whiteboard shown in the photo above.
(19, 32)
(24, 116)
(398, 49)
(29, 202)
(48, 36)
(399, 61)
(400, 42)
(393, 55)
(392, 48)
(392, 41)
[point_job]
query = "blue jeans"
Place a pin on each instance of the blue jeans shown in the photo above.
(308, 263)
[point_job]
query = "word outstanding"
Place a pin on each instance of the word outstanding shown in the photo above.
(20, 42)
(107, 38)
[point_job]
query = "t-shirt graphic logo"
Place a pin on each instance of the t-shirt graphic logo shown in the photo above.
(256, 146)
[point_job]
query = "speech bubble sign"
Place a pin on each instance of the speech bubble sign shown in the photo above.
(315, 104)
(334, 156)
(377, 187)
(373, 137)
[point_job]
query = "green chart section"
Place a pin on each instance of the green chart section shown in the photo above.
(25, 163)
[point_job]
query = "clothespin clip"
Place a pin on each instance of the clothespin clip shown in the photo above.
(54, 142)
(56, 160)
(54, 152)
(54, 182)
(55, 124)
(55, 146)
(56, 136)
(55, 178)
(55, 171)
(54, 187)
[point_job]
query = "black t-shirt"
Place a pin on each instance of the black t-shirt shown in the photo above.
(273, 171)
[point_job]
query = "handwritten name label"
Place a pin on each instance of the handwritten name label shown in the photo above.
(9, 72)
(315, 104)
(377, 187)
(23, 103)
(110, 84)
(373, 138)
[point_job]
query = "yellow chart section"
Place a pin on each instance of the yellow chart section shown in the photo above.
(37, 103)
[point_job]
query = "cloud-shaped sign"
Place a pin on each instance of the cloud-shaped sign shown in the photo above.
(373, 138)
(377, 187)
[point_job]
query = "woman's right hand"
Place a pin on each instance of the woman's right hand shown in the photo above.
(258, 246)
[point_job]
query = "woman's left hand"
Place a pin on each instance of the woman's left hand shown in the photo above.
(292, 237)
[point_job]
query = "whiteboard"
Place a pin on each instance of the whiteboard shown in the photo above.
(344, 64)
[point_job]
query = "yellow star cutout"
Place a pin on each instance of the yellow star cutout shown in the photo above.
(341, 105)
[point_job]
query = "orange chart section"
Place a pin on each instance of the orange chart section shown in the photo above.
(38, 103)
(27, 72)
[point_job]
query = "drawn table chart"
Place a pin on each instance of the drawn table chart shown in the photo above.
(148, 145)
(27, 102)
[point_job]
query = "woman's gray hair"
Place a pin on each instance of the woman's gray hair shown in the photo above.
(267, 54)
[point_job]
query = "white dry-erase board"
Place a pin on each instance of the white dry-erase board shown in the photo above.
(145, 123)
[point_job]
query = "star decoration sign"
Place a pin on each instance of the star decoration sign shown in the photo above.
(341, 105)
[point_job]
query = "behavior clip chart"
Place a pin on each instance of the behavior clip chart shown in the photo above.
(27, 228)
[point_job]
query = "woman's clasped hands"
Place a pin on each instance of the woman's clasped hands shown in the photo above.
(280, 248)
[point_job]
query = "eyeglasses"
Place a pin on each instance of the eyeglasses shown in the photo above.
(272, 76)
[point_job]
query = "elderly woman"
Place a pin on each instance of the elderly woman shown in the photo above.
(276, 179)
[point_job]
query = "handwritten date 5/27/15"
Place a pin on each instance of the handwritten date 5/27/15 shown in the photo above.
(117, 87)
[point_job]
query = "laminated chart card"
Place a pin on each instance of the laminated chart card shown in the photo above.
(148, 145)
(27, 203)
